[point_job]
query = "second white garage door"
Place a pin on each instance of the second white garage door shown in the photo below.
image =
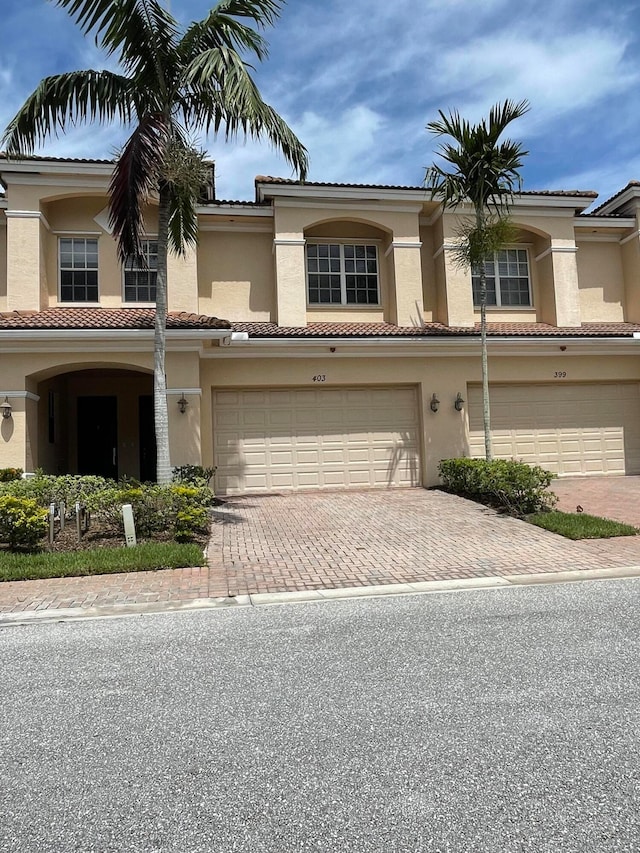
(566, 428)
(268, 440)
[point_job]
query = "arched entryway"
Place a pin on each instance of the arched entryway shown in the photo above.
(97, 420)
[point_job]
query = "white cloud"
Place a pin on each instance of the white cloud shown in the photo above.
(606, 178)
(342, 148)
(558, 75)
(358, 82)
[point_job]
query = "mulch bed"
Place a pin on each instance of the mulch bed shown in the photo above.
(100, 536)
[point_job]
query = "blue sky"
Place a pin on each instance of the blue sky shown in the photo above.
(359, 80)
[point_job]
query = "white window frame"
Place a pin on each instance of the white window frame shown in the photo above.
(86, 239)
(341, 243)
(145, 242)
(496, 276)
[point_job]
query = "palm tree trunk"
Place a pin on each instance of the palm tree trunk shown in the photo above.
(161, 414)
(486, 408)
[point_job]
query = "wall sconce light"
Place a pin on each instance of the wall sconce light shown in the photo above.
(182, 404)
(6, 408)
(434, 405)
(458, 403)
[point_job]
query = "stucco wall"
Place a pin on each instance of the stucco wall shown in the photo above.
(601, 282)
(3, 262)
(444, 433)
(631, 267)
(75, 217)
(236, 278)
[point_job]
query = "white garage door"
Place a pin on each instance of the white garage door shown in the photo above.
(335, 438)
(566, 428)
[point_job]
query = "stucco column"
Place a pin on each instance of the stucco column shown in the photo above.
(407, 274)
(565, 282)
(631, 268)
(291, 283)
(19, 433)
(459, 293)
(182, 281)
(183, 380)
(23, 260)
(184, 427)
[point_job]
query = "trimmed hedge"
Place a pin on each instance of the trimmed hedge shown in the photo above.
(22, 522)
(178, 509)
(46, 489)
(506, 484)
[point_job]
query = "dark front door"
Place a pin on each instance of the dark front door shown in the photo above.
(147, 431)
(98, 436)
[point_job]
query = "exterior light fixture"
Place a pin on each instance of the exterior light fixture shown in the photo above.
(182, 404)
(434, 405)
(6, 408)
(458, 403)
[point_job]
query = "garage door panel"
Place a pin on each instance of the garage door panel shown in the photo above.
(567, 428)
(316, 438)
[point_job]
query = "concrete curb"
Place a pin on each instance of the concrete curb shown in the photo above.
(261, 599)
(29, 617)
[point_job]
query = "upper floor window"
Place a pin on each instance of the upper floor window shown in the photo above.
(140, 278)
(342, 274)
(78, 269)
(508, 280)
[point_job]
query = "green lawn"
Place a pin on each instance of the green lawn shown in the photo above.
(62, 564)
(580, 525)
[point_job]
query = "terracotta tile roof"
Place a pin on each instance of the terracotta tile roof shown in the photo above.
(593, 215)
(40, 159)
(614, 197)
(269, 179)
(388, 330)
(218, 202)
(104, 318)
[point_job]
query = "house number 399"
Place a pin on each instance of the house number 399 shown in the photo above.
(320, 377)
(560, 374)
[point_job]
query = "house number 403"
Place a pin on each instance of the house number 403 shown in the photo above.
(320, 377)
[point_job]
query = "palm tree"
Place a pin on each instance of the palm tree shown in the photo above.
(483, 171)
(174, 82)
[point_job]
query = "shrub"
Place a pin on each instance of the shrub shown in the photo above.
(155, 508)
(22, 522)
(9, 474)
(193, 474)
(503, 483)
(189, 522)
(46, 489)
(147, 512)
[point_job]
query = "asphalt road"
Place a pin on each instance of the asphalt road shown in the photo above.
(501, 720)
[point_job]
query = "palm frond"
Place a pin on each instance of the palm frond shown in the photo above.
(500, 115)
(67, 99)
(262, 12)
(222, 95)
(183, 220)
(185, 170)
(135, 177)
(474, 245)
(220, 30)
(477, 167)
(142, 33)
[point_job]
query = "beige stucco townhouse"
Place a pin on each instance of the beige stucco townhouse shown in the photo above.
(320, 337)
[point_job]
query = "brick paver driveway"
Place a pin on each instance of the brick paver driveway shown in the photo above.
(332, 540)
(325, 540)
